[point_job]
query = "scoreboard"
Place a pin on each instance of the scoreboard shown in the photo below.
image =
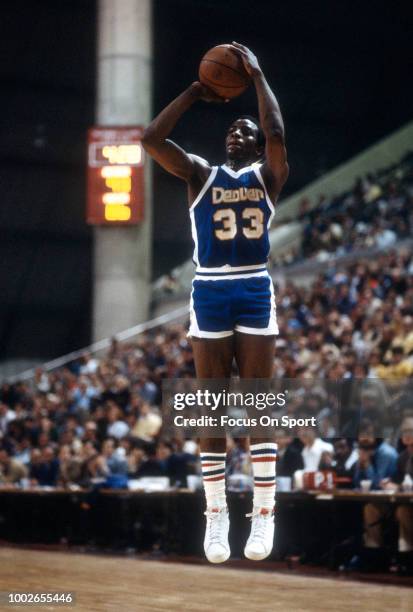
(115, 180)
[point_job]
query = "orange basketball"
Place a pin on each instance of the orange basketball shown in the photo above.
(223, 71)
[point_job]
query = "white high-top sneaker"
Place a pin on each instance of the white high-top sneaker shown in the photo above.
(261, 540)
(216, 544)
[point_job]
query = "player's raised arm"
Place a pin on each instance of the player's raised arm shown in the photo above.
(155, 140)
(275, 168)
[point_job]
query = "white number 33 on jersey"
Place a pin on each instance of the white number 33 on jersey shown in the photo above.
(229, 229)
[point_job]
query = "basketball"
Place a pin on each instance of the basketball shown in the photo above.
(223, 71)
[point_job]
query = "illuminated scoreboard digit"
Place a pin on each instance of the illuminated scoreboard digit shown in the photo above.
(115, 176)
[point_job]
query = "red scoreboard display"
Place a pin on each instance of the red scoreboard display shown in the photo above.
(115, 182)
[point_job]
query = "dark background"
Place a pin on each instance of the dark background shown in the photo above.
(341, 70)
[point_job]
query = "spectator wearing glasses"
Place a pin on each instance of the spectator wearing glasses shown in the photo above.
(377, 459)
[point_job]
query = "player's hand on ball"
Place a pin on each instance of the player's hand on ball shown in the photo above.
(204, 93)
(250, 60)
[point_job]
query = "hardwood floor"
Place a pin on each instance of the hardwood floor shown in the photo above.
(124, 585)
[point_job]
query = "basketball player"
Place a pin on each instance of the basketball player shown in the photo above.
(232, 304)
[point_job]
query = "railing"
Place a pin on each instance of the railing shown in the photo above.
(100, 345)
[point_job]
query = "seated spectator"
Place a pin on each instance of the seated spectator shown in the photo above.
(342, 462)
(72, 425)
(69, 467)
(6, 416)
(82, 396)
(113, 462)
(44, 471)
(146, 389)
(41, 381)
(93, 470)
(11, 470)
(23, 451)
(89, 449)
(289, 456)
(89, 364)
(48, 428)
(164, 451)
(118, 392)
(116, 428)
(177, 462)
(31, 429)
(148, 424)
(151, 465)
(399, 368)
(136, 458)
(90, 432)
(313, 448)
(377, 459)
(384, 236)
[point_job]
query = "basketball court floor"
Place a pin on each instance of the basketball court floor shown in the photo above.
(126, 585)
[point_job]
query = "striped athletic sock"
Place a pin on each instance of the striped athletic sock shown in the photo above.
(213, 473)
(263, 458)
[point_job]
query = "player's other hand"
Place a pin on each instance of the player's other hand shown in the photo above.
(249, 60)
(202, 92)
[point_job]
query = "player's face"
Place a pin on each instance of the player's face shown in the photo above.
(241, 140)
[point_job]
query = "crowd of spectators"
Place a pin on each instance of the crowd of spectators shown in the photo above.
(376, 213)
(100, 418)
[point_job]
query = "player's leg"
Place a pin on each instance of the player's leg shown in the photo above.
(213, 360)
(255, 358)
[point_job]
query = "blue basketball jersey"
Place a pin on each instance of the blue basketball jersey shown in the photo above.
(230, 219)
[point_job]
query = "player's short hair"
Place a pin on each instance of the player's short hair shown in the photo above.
(260, 135)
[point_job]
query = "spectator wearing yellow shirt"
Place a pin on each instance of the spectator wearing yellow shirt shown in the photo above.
(400, 367)
(148, 423)
(11, 470)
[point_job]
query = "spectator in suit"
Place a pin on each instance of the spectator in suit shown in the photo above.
(151, 465)
(45, 470)
(289, 457)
